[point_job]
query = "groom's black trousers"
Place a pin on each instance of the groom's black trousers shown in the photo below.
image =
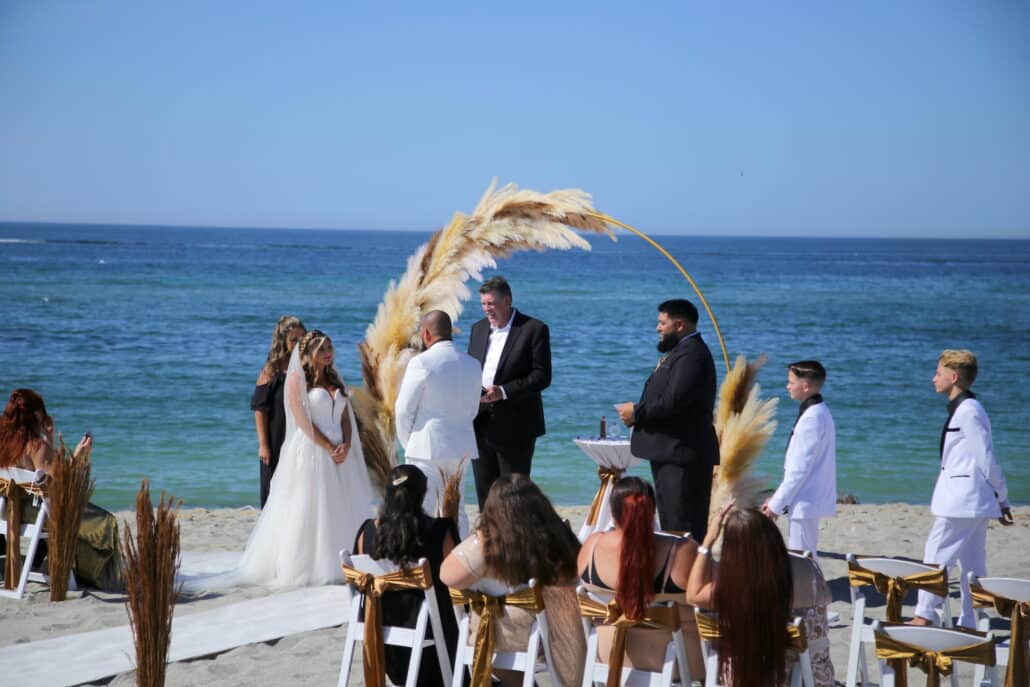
(499, 459)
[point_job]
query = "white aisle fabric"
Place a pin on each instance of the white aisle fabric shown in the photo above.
(91, 656)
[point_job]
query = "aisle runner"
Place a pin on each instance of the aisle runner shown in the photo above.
(91, 656)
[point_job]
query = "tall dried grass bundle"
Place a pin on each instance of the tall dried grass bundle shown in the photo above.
(69, 488)
(744, 436)
(450, 501)
(151, 565)
(506, 220)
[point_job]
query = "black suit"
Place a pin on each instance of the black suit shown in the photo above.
(672, 428)
(506, 430)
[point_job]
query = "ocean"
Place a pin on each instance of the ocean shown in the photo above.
(152, 338)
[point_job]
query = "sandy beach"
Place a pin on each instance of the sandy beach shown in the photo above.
(312, 658)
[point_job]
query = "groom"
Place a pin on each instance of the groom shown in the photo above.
(436, 403)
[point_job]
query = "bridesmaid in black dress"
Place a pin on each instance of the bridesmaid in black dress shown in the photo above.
(403, 533)
(267, 400)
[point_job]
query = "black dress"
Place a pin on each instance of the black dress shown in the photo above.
(401, 608)
(268, 398)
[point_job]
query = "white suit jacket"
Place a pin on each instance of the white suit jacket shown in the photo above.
(809, 487)
(437, 402)
(970, 484)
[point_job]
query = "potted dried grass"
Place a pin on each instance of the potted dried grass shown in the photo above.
(151, 566)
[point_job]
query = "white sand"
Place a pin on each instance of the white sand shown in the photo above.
(313, 658)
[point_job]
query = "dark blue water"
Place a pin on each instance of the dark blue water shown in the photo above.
(153, 337)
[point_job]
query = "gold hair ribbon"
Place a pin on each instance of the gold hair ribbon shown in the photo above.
(1019, 619)
(708, 630)
(657, 618)
(373, 589)
(16, 494)
(894, 588)
(608, 477)
(933, 663)
(488, 608)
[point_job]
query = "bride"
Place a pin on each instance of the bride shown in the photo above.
(320, 493)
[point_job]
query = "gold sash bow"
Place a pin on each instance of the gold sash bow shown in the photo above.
(933, 663)
(708, 630)
(1019, 619)
(657, 618)
(15, 493)
(373, 653)
(608, 477)
(894, 588)
(488, 608)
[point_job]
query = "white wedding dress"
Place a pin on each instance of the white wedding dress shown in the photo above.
(315, 506)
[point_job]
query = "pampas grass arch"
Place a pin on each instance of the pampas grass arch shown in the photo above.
(505, 221)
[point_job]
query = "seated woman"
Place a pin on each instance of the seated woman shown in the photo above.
(27, 442)
(752, 589)
(637, 564)
(403, 534)
(519, 536)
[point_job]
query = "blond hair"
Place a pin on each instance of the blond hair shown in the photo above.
(961, 361)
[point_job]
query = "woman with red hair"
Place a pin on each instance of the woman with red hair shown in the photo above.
(638, 563)
(27, 443)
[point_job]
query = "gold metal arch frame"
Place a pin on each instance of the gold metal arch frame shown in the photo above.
(686, 275)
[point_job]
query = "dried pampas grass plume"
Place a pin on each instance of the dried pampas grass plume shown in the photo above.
(742, 436)
(449, 503)
(505, 221)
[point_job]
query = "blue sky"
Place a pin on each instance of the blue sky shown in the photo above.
(800, 119)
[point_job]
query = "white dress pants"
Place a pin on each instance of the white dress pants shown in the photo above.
(435, 486)
(951, 541)
(803, 535)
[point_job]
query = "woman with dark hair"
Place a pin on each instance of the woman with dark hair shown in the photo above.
(752, 590)
(27, 441)
(519, 536)
(403, 534)
(267, 400)
(637, 564)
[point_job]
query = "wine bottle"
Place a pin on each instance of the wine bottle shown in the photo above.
(604, 428)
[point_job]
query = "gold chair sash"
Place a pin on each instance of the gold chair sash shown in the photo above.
(933, 663)
(1019, 624)
(894, 588)
(373, 587)
(608, 477)
(708, 630)
(488, 608)
(16, 493)
(657, 618)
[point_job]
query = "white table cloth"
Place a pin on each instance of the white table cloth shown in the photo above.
(613, 458)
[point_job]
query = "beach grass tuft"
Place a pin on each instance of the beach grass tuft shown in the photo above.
(69, 488)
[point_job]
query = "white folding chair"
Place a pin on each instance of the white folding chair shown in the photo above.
(524, 662)
(861, 631)
(1014, 588)
(596, 669)
(414, 638)
(801, 674)
(34, 532)
(927, 638)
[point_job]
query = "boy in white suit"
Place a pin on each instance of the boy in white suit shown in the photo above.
(809, 488)
(970, 486)
(437, 401)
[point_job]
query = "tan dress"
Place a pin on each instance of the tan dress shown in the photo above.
(811, 597)
(568, 647)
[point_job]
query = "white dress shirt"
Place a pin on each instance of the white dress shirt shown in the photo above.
(494, 348)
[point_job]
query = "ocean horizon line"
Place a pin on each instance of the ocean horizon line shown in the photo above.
(892, 236)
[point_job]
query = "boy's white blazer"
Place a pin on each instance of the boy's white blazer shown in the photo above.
(809, 487)
(437, 402)
(970, 484)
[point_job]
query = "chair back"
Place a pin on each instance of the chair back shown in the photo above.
(932, 649)
(374, 634)
(18, 571)
(1015, 588)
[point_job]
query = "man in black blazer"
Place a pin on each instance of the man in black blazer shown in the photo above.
(672, 421)
(515, 352)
